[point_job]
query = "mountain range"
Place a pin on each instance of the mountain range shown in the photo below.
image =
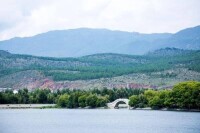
(85, 41)
(158, 69)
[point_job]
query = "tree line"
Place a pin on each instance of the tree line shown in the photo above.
(185, 95)
(66, 97)
(101, 66)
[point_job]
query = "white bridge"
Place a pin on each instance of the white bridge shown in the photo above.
(116, 103)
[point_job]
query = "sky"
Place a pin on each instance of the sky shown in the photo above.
(20, 18)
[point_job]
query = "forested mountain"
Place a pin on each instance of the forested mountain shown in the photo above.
(186, 39)
(85, 41)
(17, 71)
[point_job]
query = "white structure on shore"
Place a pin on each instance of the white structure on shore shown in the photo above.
(117, 102)
(15, 91)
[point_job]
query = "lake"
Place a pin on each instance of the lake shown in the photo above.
(97, 121)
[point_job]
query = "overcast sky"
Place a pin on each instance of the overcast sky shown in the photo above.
(30, 17)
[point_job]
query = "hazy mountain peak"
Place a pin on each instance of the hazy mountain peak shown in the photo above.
(86, 41)
(168, 52)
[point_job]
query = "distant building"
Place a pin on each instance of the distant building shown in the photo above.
(15, 91)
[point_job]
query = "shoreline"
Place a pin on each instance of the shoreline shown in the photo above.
(53, 106)
(26, 106)
(165, 109)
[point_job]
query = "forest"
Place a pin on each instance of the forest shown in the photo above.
(66, 97)
(185, 95)
(100, 65)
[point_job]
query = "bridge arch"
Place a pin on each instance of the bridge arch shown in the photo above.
(116, 103)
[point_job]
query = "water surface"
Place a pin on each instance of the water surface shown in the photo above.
(97, 121)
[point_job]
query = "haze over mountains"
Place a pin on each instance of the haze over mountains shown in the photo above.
(85, 41)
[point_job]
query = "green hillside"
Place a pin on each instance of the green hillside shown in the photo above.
(100, 65)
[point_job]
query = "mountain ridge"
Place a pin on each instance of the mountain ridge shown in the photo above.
(100, 70)
(86, 41)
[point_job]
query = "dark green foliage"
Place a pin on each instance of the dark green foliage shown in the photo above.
(91, 100)
(63, 100)
(82, 101)
(101, 101)
(73, 100)
(138, 101)
(185, 95)
(68, 98)
(156, 102)
(142, 101)
(101, 65)
(23, 96)
(134, 100)
(8, 97)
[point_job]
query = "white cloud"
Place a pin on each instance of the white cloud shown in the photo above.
(27, 17)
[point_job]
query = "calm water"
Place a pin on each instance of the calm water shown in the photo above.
(97, 121)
